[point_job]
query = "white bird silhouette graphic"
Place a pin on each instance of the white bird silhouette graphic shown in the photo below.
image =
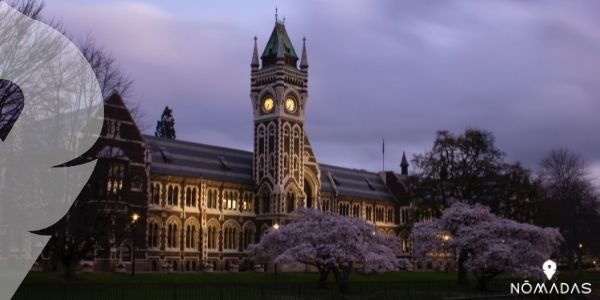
(60, 119)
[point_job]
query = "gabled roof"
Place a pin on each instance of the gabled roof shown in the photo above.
(354, 183)
(188, 159)
(271, 52)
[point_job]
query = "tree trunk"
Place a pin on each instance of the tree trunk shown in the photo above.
(70, 268)
(462, 271)
(342, 277)
(323, 275)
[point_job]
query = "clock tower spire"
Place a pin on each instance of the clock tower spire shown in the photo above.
(285, 171)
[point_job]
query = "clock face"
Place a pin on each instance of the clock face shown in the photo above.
(290, 105)
(268, 104)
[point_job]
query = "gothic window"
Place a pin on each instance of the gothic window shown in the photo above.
(212, 237)
(369, 212)
(291, 202)
(190, 197)
(344, 209)
(172, 195)
(234, 201)
(172, 234)
(137, 183)
(356, 210)
(153, 235)
(260, 147)
(230, 237)
(190, 237)
(230, 200)
(295, 163)
(247, 202)
(390, 215)
(285, 165)
(115, 177)
(261, 166)
(212, 199)
(114, 129)
(155, 193)
(266, 202)
(379, 217)
(326, 204)
(193, 197)
(272, 161)
(249, 236)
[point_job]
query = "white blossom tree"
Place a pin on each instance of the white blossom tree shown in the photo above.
(330, 242)
(486, 244)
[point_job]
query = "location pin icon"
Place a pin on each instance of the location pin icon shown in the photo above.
(549, 268)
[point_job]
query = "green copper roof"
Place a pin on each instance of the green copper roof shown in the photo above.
(273, 44)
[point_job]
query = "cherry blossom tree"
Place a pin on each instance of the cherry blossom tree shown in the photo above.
(486, 244)
(330, 242)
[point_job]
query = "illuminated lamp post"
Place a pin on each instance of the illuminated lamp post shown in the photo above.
(134, 218)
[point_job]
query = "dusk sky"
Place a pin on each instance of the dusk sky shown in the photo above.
(529, 71)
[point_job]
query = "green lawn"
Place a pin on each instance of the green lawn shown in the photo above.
(225, 277)
(232, 286)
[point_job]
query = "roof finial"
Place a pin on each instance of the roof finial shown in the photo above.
(404, 164)
(254, 63)
(304, 57)
(276, 18)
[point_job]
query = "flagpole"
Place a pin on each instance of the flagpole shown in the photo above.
(383, 154)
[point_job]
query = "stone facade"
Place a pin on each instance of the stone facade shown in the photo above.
(202, 205)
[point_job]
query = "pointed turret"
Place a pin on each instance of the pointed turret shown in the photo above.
(255, 63)
(279, 47)
(404, 164)
(304, 58)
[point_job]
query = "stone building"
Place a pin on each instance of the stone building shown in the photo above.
(202, 205)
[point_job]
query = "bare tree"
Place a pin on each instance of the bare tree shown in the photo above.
(110, 77)
(571, 203)
(95, 211)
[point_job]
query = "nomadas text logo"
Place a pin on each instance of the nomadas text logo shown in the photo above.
(550, 288)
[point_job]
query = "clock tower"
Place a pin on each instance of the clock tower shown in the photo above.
(285, 171)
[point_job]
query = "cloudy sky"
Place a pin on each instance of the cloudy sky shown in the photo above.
(529, 71)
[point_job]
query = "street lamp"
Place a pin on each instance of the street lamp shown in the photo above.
(276, 227)
(445, 238)
(134, 218)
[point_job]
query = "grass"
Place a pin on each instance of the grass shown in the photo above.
(225, 277)
(232, 286)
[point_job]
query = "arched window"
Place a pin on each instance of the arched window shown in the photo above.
(172, 235)
(249, 237)
(212, 237)
(190, 197)
(190, 237)
(369, 213)
(291, 202)
(266, 202)
(356, 210)
(172, 195)
(115, 177)
(212, 199)
(155, 193)
(247, 202)
(153, 235)
(194, 198)
(230, 237)
(230, 200)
